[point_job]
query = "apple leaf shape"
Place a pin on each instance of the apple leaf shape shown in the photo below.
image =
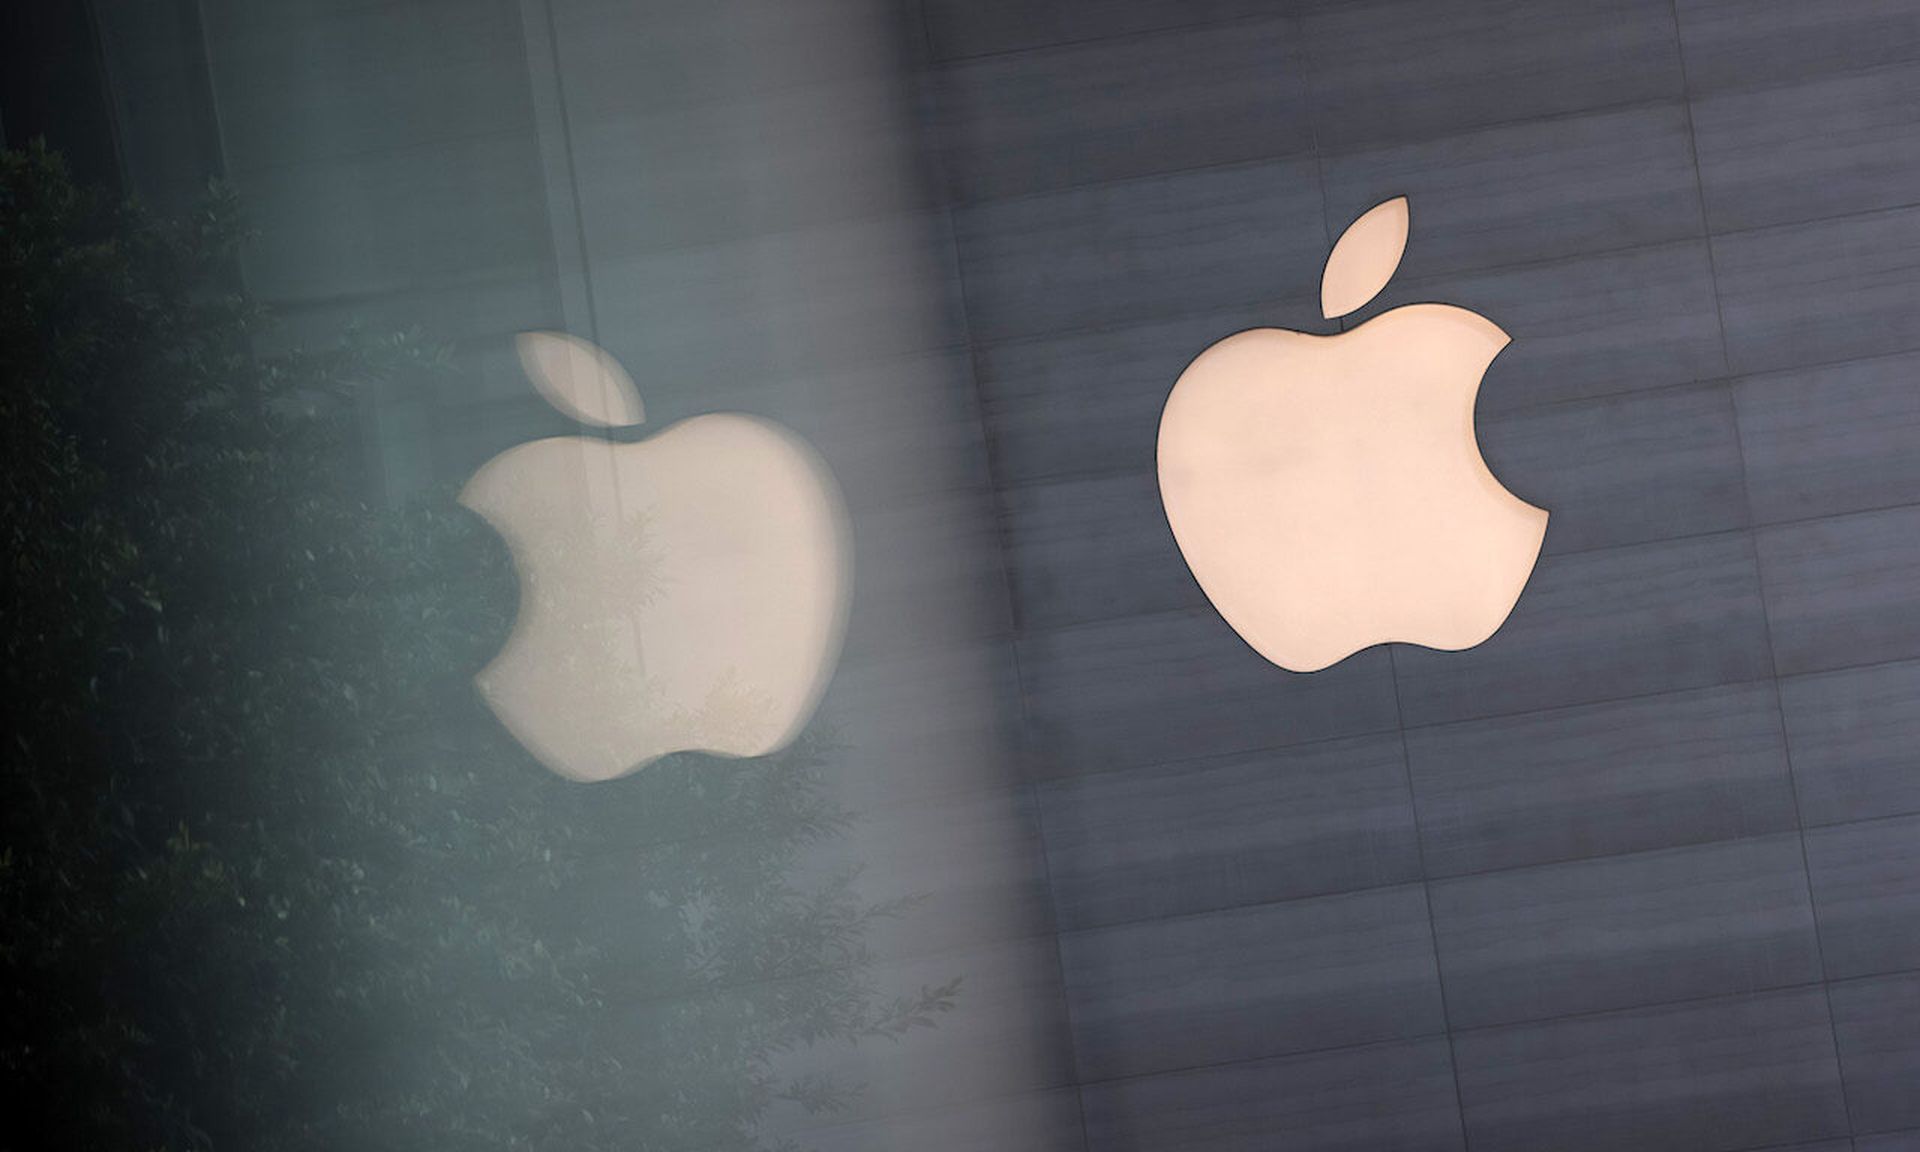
(1364, 258)
(581, 379)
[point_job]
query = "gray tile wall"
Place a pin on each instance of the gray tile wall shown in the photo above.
(1643, 871)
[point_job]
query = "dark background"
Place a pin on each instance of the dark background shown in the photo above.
(1643, 871)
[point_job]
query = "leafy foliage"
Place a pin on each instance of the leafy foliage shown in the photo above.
(271, 876)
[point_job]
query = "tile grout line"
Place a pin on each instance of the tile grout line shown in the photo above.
(1393, 677)
(957, 60)
(1107, 926)
(1481, 718)
(200, 45)
(1793, 784)
(1426, 892)
(1679, 102)
(1053, 783)
(1651, 1007)
(1451, 277)
(1070, 779)
(1503, 871)
(1753, 526)
(1519, 1022)
(1760, 579)
(1268, 159)
(1545, 408)
(1070, 627)
(1023, 747)
(1303, 746)
(573, 173)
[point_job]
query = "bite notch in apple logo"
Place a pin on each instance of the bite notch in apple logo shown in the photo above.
(683, 592)
(1328, 492)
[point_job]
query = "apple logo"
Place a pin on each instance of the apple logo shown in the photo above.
(1328, 492)
(685, 592)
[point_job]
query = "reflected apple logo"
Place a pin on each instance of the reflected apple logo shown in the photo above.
(1328, 492)
(684, 592)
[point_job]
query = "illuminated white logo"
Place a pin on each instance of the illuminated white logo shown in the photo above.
(683, 592)
(1328, 491)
